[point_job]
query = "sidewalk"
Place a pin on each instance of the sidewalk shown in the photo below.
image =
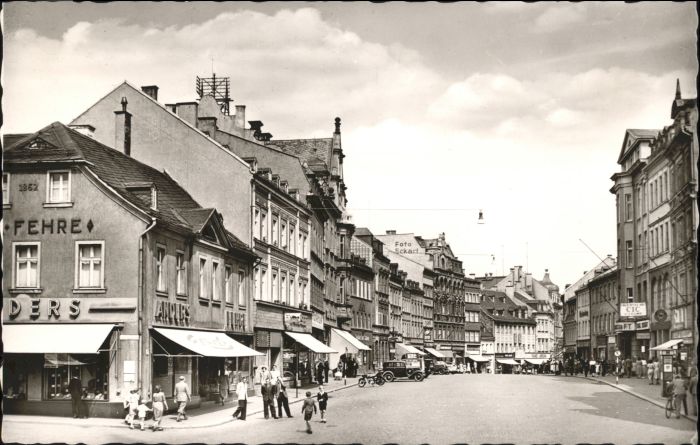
(641, 388)
(208, 415)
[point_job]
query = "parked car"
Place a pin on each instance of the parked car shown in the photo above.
(440, 368)
(452, 368)
(394, 369)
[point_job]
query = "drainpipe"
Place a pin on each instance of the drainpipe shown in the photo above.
(142, 308)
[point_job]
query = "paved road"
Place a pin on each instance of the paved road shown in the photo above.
(443, 409)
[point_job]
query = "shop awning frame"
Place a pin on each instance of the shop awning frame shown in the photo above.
(447, 353)
(409, 349)
(535, 361)
(478, 358)
(311, 343)
(207, 343)
(349, 338)
(507, 361)
(667, 346)
(55, 338)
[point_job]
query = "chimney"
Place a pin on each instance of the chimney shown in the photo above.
(391, 232)
(207, 125)
(678, 89)
(122, 132)
(337, 126)
(86, 129)
(151, 90)
(239, 118)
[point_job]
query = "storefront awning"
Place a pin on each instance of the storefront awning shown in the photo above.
(478, 358)
(447, 354)
(208, 344)
(434, 353)
(54, 338)
(349, 340)
(403, 348)
(311, 343)
(668, 345)
(535, 361)
(507, 361)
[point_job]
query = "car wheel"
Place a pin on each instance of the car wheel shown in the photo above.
(418, 376)
(361, 382)
(389, 376)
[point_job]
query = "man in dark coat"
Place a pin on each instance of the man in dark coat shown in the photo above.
(325, 370)
(76, 394)
(268, 396)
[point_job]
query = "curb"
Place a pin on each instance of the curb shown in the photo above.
(639, 396)
(119, 422)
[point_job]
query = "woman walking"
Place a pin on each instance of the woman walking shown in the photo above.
(322, 398)
(308, 408)
(160, 405)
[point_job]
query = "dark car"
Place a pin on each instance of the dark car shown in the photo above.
(440, 368)
(395, 369)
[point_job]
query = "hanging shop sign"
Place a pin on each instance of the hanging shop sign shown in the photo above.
(633, 310)
(682, 333)
(643, 336)
(427, 334)
(316, 320)
(642, 325)
(172, 313)
(297, 321)
(624, 326)
(660, 315)
(44, 308)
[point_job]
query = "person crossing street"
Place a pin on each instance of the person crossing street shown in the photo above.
(242, 395)
(182, 396)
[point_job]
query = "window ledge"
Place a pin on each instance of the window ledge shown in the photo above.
(92, 290)
(57, 204)
(33, 290)
(216, 302)
(6, 205)
(181, 296)
(162, 293)
(203, 300)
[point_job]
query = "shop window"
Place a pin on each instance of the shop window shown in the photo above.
(91, 369)
(90, 265)
(15, 372)
(161, 282)
(58, 190)
(27, 264)
(160, 366)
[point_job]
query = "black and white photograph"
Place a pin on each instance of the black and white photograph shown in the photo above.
(349, 222)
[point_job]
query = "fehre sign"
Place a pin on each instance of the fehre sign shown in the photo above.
(45, 308)
(633, 310)
(51, 226)
(173, 313)
(235, 321)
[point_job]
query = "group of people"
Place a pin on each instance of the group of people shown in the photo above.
(137, 409)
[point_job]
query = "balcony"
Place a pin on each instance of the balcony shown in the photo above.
(343, 312)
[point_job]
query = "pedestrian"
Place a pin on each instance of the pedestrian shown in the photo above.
(242, 395)
(141, 410)
(223, 387)
(693, 388)
(283, 401)
(76, 394)
(268, 396)
(275, 379)
(131, 403)
(585, 366)
(160, 405)
(308, 408)
(264, 375)
(325, 370)
(319, 372)
(628, 368)
(638, 369)
(322, 398)
(182, 396)
(680, 387)
(650, 371)
(657, 370)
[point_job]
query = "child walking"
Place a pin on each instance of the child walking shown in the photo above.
(141, 410)
(308, 409)
(131, 403)
(322, 398)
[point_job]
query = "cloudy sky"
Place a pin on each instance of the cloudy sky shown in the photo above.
(516, 109)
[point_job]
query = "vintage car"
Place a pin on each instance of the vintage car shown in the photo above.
(395, 369)
(439, 367)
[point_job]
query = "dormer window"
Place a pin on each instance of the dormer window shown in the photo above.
(38, 144)
(58, 187)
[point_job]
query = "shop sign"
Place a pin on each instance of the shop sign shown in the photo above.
(44, 308)
(611, 340)
(660, 315)
(406, 247)
(633, 309)
(296, 321)
(624, 326)
(643, 336)
(427, 334)
(51, 226)
(172, 313)
(505, 355)
(582, 314)
(235, 321)
(316, 320)
(682, 333)
(642, 325)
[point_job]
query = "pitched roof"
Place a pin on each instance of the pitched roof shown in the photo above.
(315, 152)
(127, 176)
(635, 134)
(507, 306)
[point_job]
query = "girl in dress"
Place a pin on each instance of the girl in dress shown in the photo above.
(160, 405)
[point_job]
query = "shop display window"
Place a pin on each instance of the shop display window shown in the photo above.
(91, 369)
(15, 372)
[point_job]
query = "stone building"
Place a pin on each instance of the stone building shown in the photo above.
(602, 289)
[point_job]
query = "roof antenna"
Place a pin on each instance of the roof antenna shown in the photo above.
(212, 65)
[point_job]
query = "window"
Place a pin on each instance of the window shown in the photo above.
(275, 233)
(202, 278)
(5, 188)
(27, 265)
(630, 295)
(292, 291)
(628, 207)
(160, 269)
(284, 296)
(292, 240)
(630, 254)
(283, 235)
(215, 288)
(256, 223)
(241, 288)
(227, 284)
(275, 290)
(181, 272)
(90, 265)
(58, 187)
(263, 285)
(263, 225)
(91, 369)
